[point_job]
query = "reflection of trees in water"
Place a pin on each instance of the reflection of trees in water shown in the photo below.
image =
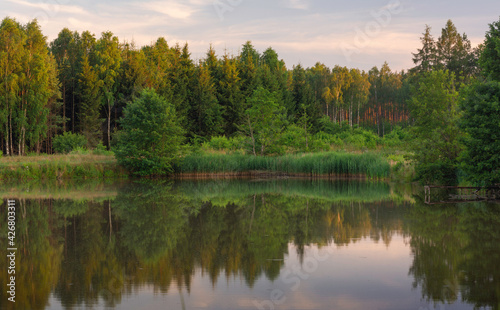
(456, 252)
(480, 270)
(156, 234)
(38, 258)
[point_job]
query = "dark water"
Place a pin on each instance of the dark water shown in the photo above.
(248, 245)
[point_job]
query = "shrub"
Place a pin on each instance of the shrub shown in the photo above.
(151, 138)
(219, 143)
(323, 141)
(102, 150)
(68, 142)
(237, 143)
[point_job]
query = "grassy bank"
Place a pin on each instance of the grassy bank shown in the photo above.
(334, 164)
(89, 166)
(59, 167)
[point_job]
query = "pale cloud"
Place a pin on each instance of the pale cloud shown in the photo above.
(297, 4)
(170, 8)
(50, 7)
(299, 30)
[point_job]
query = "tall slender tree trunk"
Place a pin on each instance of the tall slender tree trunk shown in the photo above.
(358, 112)
(305, 130)
(73, 116)
(252, 136)
(64, 107)
(109, 124)
(6, 138)
(350, 111)
(10, 132)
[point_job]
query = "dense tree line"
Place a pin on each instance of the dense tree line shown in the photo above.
(81, 83)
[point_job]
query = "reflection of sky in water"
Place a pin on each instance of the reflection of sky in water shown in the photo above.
(362, 275)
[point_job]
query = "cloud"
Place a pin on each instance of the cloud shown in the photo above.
(53, 8)
(300, 30)
(170, 8)
(297, 4)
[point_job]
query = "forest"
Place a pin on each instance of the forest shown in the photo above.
(89, 92)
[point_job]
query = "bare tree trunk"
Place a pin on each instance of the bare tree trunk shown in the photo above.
(252, 136)
(305, 130)
(64, 107)
(350, 111)
(109, 124)
(7, 151)
(10, 131)
(358, 113)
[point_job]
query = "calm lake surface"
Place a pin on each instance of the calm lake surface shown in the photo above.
(230, 244)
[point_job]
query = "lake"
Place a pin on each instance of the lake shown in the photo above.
(241, 244)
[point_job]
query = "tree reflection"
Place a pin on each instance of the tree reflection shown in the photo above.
(38, 257)
(157, 234)
(455, 249)
(480, 270)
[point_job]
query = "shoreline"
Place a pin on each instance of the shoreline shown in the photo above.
(105, 167)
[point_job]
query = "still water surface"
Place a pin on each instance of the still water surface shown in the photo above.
(274, 244)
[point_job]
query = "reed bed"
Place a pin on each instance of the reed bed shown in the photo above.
(57, 167)
(338, 164)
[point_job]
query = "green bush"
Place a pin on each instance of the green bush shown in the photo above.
(294, 138)
(323, 141)
(358, 137)
(68, 142)
(219, 143)
(237, 143)
(151, 138)
(80, 151)
(397, 137)
(102, 150)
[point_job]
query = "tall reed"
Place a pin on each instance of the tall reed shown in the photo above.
(317, 164)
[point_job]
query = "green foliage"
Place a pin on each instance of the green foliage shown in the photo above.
(102, 150)
(150, 140)
(436, 134)
(490, 55)
(28, 86)
(315, 164)
(294, 138)
(481, 124)
(322, 141)
(219, 143)
(68, 142)
(398, 137)
(265, 121)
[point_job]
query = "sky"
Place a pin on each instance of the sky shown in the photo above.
(356, 34)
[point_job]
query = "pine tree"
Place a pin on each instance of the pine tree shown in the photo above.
(206, 113)
(490, 56)
(455, 53)
(426, 58)
(90, 95)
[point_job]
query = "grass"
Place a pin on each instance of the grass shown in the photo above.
(369, 165)
(71, 166)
